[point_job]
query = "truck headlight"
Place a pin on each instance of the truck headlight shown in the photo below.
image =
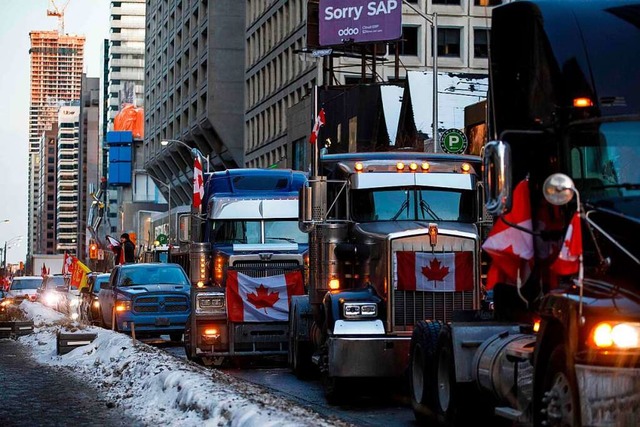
(354, 310)
(210, 303)
(6, 302)
(74, 302)
(615, 335)
(51, 299)
(123, 306)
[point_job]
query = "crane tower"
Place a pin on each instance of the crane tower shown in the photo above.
(59, 12)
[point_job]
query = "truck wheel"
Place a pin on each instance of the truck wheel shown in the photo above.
(421, 368)
(559, 402)
(187, 341)
(453, 400)
(300, 352)
(334, 389)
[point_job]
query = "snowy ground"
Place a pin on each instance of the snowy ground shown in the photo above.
(155, 387)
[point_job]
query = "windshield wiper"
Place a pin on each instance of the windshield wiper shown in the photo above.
(625, 185)
(286, 239)
(404, 206)
(424, 206)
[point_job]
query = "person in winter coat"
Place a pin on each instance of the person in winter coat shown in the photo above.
(127, 250)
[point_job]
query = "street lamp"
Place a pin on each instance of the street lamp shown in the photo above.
(168, 185)
(4, 221)
(194, 150)
(434, 23)
(8, 243)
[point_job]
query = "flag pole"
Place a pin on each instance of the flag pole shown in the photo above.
(314, 148)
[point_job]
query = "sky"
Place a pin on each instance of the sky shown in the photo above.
(161, 389)
(83, 17)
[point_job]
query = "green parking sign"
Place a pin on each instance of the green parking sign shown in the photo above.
(453, 141)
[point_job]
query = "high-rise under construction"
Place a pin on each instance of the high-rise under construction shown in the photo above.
(56, 80)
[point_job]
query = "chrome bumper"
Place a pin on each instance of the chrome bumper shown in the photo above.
(609, 396)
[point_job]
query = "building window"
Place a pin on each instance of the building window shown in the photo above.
(448, 42)
(485, 3)
(481, 43)
(447, 2)
(408, 44)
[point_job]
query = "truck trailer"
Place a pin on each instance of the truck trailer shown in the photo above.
(562, 345)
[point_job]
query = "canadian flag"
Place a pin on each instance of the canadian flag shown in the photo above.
(198, 183)
(67, 264)
(568, 261)
(434, 272)
(510, 248)
(261, 299)
(320, 120)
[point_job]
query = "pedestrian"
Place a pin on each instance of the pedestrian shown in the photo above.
(127, 249)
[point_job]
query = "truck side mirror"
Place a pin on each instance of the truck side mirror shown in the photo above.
(497, 177)
(184, 226)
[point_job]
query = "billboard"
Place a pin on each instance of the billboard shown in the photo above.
(359, 21)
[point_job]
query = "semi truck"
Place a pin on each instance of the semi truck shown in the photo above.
(246, 260)
(394, 237)
(561, 346)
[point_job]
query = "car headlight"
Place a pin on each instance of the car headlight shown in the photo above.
(210, 303)
(123, 306)
(355, 310)
(615, 335)
(51, 299)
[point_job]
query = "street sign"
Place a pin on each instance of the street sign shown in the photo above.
(162, 239)
(453, 141)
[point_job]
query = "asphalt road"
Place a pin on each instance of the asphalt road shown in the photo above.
(374, 403)
(37, 395)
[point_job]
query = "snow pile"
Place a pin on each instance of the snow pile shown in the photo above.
(155, 387)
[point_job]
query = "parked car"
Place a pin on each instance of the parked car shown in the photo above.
(150, 298)
(90, 306)
(54, 292)
(23, 287)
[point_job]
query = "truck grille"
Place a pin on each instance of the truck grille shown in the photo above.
(412, 306)
(161, 304)
(264, 269)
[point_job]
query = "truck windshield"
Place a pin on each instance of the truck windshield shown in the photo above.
(257, 232)
(604, 160)
(401, 204)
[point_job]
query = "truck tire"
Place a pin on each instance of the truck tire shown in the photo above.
(422, 382)
(558, 404)
(456, 404)
(300, 352)
(335, 389)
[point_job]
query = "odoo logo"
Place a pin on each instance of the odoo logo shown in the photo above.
(348, 31)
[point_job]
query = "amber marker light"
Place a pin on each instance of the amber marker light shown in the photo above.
(334, 284)
(466, 167)
(400, 166)
(433, 234)
(359, 167)
(425, 167)
(413, 167)
(200, 284)
(211, 332)
(582, 102)
(536, 325)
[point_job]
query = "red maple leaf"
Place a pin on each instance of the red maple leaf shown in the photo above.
(262, 298)
(435, 271)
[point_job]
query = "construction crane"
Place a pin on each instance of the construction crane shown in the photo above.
(59, 12)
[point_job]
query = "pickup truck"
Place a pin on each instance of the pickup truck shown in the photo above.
(151, 299)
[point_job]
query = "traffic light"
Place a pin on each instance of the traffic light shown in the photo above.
(93, 251)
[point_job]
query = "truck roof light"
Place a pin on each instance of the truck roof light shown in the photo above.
(466, 167)
(582, 102)
(400, 166)
(425, 166)
(413, 167)
(359, 167)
